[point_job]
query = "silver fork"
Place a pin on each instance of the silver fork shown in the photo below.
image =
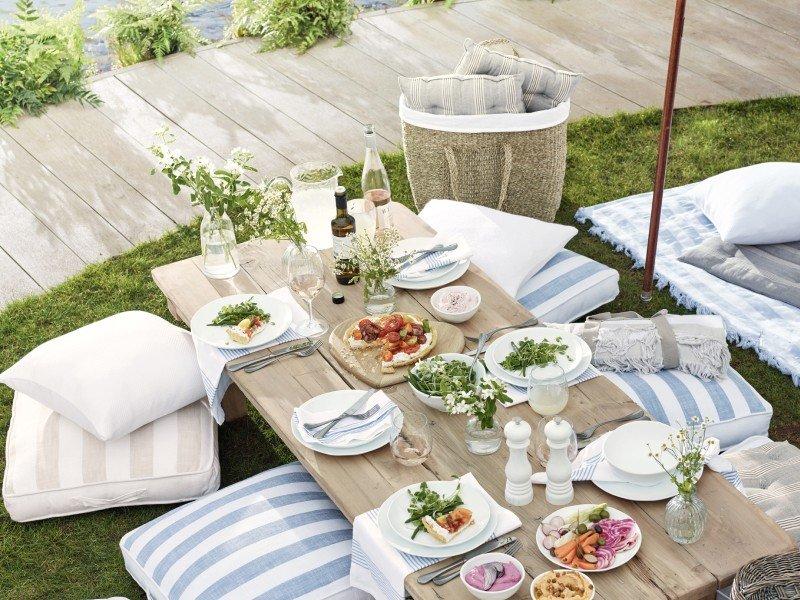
(529, 323)
(302, 353)
(511, 550)
(589, 431)
(359, 417)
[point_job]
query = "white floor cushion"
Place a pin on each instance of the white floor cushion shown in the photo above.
(54, 468)
(734, 409)
(276, 535)
(568, 287)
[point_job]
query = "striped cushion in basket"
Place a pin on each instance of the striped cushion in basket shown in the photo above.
(464, 94)
(734, 409)
(276, 535)
(55, 468)
(567, 287)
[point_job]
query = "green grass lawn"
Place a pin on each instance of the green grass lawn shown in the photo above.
(609, 157)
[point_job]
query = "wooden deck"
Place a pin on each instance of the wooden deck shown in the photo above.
(75, 186)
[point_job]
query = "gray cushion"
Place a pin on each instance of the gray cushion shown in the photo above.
(464, 94)
(772, 270)
(542, 87)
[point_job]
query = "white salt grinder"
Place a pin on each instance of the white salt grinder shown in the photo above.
(519, 489)
(559, 469)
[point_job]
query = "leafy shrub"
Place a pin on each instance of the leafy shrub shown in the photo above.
(291, 23)
(138, 30)
(42, 62)
(447, 3)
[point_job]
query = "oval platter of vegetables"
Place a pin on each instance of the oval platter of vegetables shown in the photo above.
(589, 538)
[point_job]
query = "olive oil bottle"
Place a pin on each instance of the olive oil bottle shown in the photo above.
(343, 225)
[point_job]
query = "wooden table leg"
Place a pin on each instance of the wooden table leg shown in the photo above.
(234, 404)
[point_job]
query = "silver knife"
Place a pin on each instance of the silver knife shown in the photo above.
(482, 549)
(354, 408)
(426, 254)
(287, 350)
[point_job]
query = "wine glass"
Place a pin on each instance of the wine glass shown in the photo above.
(540, 442)
(547, 395)
(306, 278)
(363, 211)
(412, 440)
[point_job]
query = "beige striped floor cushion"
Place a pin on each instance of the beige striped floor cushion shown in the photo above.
(770, 475)
(55, 468)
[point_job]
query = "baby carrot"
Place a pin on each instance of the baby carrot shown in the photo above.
(565, 549)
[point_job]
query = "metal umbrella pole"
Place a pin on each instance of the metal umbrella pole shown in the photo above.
(663, 149)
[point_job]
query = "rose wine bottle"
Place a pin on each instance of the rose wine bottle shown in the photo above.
(375, 181)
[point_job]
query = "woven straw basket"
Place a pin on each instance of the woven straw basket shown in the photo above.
(511, 162)
(769, 578)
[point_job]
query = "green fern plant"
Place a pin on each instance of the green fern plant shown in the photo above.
(138, 30)
(291, 23)
(42, 62)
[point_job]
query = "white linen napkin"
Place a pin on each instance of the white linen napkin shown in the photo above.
(212, 360)
(519, 394)
(348, 432)
(380, 570)
(438, 260)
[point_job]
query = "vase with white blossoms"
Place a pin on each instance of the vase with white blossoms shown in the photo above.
(483, 434)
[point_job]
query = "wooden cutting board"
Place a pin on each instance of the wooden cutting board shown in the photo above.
(366, 365)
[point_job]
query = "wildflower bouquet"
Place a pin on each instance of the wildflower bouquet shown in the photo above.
(374, 257)
(690, 448)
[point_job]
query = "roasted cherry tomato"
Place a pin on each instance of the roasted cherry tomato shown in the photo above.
(412, 349)
(387, 356)
(393, 337)
(422, 338)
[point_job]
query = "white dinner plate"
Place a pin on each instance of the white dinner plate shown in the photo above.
(569, 511)
(339, 400)
(472, 498)
(627, 449)
(443, 550)
(641, 493)
(577, 358)
(280, 318)
(434, 278)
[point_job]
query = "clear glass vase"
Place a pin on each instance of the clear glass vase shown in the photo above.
(685, 518)
(482, 440)
(379, 299)
(218, 246)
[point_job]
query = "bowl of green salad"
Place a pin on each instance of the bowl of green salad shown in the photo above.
(435, 377)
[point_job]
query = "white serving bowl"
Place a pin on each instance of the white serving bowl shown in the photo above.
(626, 450)
(436, 402)
(541, 575)
(487, 558)
(455, 317)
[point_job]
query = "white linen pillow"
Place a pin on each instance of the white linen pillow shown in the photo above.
(510, 249)
(112, 376)
(759, 204)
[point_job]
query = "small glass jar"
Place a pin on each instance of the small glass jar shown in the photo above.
(379, 299)
(218, 246)
(482, 440)
(685, 518)
(547, 396)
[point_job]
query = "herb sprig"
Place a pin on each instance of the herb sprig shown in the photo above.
(233, 314)
(426, 502)
(529, 353)
(437, 377)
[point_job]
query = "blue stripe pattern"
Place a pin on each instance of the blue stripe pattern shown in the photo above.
(350, 427)
(770, 327)
(249, 530)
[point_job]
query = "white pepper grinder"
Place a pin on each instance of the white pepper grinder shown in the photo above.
(559, 489)
(519, 489)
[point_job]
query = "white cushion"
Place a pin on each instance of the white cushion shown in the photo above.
(734, 409)
(508, 248)
(112, 376)
(759, 204)
(54, 468)
(274, 535)
(567, 287)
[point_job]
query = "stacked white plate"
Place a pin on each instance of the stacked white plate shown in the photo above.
(393, 514)
(434, 278)
(574, 362)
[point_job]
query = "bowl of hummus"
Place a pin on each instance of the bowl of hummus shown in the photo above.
(562, 584)
(492, 576)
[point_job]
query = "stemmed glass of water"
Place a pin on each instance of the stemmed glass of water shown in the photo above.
(306, 278)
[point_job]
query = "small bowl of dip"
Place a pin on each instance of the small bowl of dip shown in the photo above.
(455, 303)
(481, 570)
(562, 584)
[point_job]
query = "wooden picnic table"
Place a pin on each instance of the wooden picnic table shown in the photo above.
(736, 532)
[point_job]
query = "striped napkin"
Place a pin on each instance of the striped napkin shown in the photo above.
(437, 260)
(212, 360)
(347, 432)
(380, 570)
(519, 394)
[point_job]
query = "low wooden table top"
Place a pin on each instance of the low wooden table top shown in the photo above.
(736, 533)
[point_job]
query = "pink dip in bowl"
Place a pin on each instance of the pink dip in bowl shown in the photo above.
(508, 579)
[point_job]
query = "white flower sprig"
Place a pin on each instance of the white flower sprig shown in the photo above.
(269, 214)
(690, 448)
(478, 400)
(376, 264)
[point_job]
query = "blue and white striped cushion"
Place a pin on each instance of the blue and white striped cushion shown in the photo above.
(276, 535)
(568, 287)
(734, 409)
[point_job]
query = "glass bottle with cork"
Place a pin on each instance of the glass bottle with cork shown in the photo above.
(375, 181)
(343, 225)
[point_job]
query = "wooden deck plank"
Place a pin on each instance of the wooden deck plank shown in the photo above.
(17, 284)
(38, 253)
(778, 18)
(114, 199)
